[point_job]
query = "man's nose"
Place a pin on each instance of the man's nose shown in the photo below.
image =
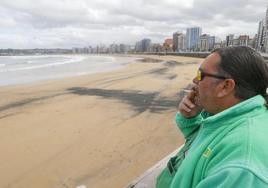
(195, 80)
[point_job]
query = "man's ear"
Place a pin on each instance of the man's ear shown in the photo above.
(226, 88)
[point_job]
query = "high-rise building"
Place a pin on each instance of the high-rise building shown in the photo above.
(266, 32)
(143, 45)
(181, 42)
(206, 42)
(229, 40)
(203, 44)
(175, 41)
(266, 19)
(192, 37)
(211, 43)
(262, 36)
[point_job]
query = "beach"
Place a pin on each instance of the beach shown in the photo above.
(99, 130)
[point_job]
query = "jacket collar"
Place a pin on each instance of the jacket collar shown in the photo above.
(235, 112)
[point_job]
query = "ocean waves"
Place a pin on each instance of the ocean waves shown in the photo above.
(26, 69)
(38, 63)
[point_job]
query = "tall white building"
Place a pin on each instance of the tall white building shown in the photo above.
(206, 42)
(203, 44)
(180, 42)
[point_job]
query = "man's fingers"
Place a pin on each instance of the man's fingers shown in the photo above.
(188, 107)
(188, 103)
(185, 108)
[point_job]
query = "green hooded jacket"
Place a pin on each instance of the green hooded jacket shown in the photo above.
(229, 149)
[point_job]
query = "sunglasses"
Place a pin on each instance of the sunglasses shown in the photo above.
(201, 75)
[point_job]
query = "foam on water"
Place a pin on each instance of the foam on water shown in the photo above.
(74, 60)
(27, 69)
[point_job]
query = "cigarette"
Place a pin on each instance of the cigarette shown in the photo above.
(187, 90)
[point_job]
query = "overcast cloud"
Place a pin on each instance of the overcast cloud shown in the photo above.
(79, 23)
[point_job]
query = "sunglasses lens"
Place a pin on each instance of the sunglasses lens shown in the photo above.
(199, 75)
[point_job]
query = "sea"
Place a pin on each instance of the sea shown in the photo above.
(28, 69)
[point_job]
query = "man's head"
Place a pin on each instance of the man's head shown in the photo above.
(233, 74)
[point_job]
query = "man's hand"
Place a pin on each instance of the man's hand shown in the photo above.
(188, 106)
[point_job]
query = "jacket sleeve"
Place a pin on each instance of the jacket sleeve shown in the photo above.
(233, 177)
(188, 126)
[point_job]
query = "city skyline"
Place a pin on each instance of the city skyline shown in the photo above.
(67, 24)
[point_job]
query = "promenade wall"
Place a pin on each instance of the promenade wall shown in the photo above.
(189, 54)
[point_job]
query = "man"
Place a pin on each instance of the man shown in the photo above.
(224, 120)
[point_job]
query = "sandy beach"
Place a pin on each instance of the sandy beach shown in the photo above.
(100, 130)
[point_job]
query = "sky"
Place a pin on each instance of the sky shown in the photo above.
(80, 23)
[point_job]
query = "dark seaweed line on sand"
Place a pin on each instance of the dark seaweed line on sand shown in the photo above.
(27, 101)
(138, 100)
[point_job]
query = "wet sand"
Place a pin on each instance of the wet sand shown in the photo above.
(100, 130)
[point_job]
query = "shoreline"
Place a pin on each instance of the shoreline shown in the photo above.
(53, 68)
(137, 58)
(98, 130)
